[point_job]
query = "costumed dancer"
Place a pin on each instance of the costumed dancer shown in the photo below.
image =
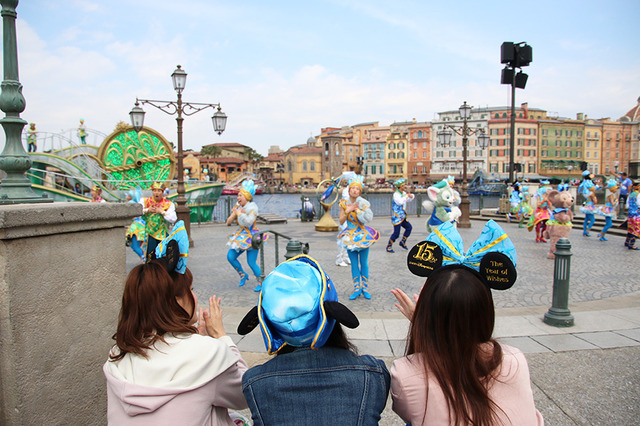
(32, 138)
(158, 213)
(245, 213)
(342, 258)
(524, 208)
(136, 234)
(609, 209)
(96, 194)
(588, 189)
(541, 214)
(440, 205)
(633, 217)
(399, 215)
(82, 132)
(514, 200)
(357, 237)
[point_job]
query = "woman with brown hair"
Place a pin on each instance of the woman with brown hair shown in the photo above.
(454, 371)
(163, 369)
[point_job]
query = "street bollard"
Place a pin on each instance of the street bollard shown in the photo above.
(559, 315)
(295, 248)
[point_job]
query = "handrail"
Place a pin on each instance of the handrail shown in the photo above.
(257, 242)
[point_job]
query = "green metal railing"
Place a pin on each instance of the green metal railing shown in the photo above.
(294, 247)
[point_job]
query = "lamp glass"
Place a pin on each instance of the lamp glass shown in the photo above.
(483, 140)
(137, 117)
(179, 78)
(465, 111)
(444, 138)
(219, 121)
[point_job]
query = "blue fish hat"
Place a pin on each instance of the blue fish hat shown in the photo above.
(399, 182)
(175, 248)
(586, 173)
(611, 184)
(492, 257)
(248, 189)
(298, 306)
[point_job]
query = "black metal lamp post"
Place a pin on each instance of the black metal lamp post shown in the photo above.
(444, 140)
(180, 108)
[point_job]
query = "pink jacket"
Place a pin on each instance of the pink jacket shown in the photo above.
(190, 380)
(511, 392)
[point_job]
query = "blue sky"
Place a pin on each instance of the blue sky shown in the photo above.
(282, 70)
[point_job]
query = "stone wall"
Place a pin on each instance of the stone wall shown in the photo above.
(62, 270)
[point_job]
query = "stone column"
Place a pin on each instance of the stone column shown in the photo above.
(62, 270)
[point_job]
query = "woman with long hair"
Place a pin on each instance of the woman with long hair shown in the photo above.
(163, 369)
(454, 372)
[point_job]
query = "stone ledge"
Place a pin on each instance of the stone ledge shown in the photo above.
(34, 220)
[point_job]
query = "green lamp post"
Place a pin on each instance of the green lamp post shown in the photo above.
(14, 160)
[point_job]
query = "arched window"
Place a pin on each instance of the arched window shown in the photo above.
(290, 165)
(326, 149)
(313, 165)
(304, 166)
(337, 149)
(392, 145)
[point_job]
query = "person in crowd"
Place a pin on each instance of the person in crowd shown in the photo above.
(82, 132)
(245, 214)
(399, 215)
(96, 194)
(163, 369)
(610, 208)
(316, 376)
(454, 371)
(342, 258)
(542, 213)
(633, 217)
(357, 237)
(158, 213)
(136, 236)
(588, 189)
(32, 138)
(625, 186)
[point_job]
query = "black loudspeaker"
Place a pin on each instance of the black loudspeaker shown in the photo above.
(517, 167)
(507, 76)
(507, 53)
(521, 80)
(524, 55)
(583, 166)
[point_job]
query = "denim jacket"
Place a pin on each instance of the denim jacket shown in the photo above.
(317, 387)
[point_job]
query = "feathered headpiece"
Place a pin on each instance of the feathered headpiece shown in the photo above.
(96, 188)
(492, 257)
(612, 183)
(399, 182)
(157, 185)
(563, 187)
(357, 180)
(248, 189)
(298, 306)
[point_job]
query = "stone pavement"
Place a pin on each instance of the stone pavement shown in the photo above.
(585, 374)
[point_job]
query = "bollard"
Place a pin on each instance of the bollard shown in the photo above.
(559, 315)
(295, 248)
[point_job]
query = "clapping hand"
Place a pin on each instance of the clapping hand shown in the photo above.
(405, 304)
(210, 320)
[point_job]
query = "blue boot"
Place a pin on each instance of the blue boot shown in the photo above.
(357, 291)
(243, 277)
(364, 288)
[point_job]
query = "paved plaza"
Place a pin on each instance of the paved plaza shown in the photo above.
(585, 374)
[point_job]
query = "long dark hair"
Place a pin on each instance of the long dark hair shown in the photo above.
(150, 309)
(451, 333)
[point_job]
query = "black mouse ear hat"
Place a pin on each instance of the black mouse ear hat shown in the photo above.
(492, 256)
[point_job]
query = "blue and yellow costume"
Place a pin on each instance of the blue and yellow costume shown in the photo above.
(542, 213)
(137, 234)
(240, 241)
(357, 238)
(609, 208)
(587, 188)
(633, 218)
(399, 215)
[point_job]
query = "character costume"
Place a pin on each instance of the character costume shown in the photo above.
(32, 138)
(157, 224)
(185, 379)
(342, 258)
(417, 395)
(297, 312)
(441, 205)
(633, 219)
(399, 216)
(559, 224)
(524, 208)
(97, 198)
(136, 236)
(357, 238)
(514, 200)
(587, 188)
(241, 240)
(82, 132)
(609, 208)
(541, 214)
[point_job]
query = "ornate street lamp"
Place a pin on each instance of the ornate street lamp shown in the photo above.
(179, 78)
(14, 160)
(444, 140)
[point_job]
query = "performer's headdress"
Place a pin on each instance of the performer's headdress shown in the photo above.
(357, 180)
(450, 180)
(96, 188)
(158, 185)
(399, 182)
(441, 184)
(298, 306)
(545, 182)
(174, 250)
(586, 173)
(248, 189)
(612, 183)
(563, 187)
(135, 194)
(492, 257)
